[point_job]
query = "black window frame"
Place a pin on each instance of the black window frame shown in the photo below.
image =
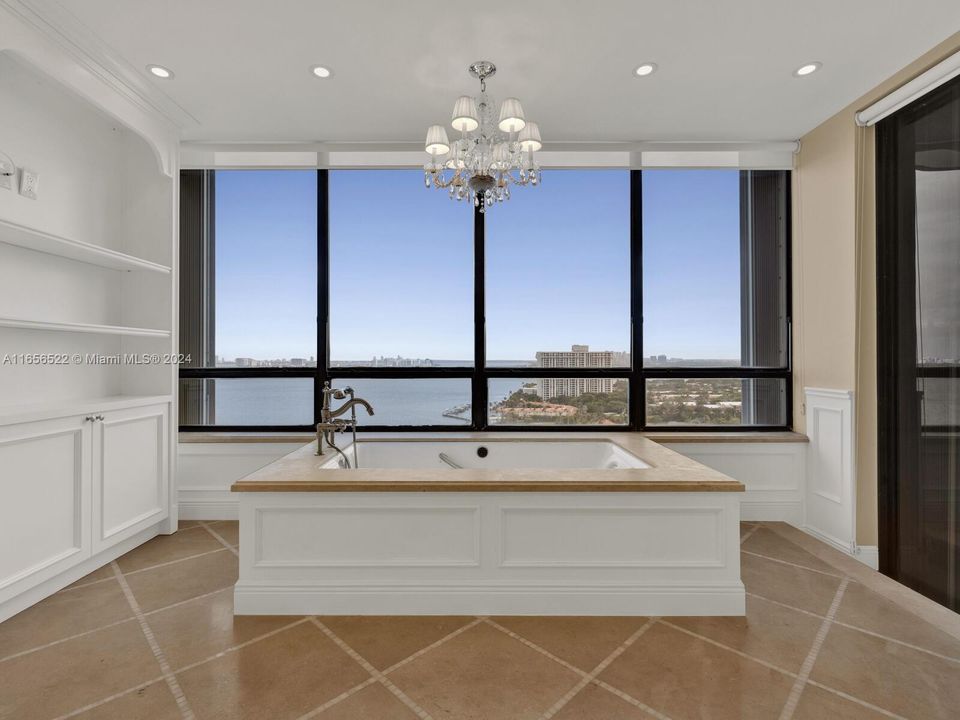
(479, 375)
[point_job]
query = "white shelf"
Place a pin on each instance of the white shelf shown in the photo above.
(81, 406)
(22, 236)
(81, 327)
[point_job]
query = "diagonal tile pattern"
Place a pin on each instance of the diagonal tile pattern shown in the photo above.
(157, 640)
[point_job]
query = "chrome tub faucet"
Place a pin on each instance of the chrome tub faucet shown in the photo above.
(330, 425)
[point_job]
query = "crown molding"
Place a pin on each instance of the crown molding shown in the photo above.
(63, 28)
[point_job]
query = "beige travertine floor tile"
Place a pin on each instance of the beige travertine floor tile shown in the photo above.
(75, 673)
(818, 704)
(153, 702)
(203, 627)
(584, 642)
(766, 542)
(794, 586)
(685, 677)
(374, 702)
(745, 529)
(596, 703)
(99, 574)
(229, 530)
(383, 641)
(283, 676)
(865, 608)
(64, 614)
(184, 524)
(484, 673)
(162, 586)
(769, 632)
(897, 678)
(164, 548)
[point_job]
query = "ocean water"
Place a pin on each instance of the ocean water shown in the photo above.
(289, 401)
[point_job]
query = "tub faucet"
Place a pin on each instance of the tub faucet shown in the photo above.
(329, 425)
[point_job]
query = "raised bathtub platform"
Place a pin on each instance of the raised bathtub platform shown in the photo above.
(661, 538)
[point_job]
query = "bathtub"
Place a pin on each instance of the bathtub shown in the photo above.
(500, 454)
(527, 524)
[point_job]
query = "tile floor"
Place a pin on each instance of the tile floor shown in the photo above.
(153, 636)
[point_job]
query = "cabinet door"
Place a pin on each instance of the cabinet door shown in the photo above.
(131, 477)
(45, 506)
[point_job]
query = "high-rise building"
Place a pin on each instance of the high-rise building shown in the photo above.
(579, 356)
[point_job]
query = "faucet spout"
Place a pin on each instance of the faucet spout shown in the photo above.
(353, 402)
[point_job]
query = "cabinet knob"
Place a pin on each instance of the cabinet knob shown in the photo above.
(99, 417)
(88, 418)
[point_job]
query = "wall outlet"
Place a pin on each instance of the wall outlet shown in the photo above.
(29, 183)
(8, 172)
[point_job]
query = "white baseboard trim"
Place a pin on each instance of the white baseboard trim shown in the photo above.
(204, 503)
(842, 546)
(788, 511)
(726, 599)
(47, 588)
(869, 555)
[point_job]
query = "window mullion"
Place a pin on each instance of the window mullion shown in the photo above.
(479, 381)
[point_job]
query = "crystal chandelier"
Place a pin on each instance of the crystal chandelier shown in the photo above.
(493, 152)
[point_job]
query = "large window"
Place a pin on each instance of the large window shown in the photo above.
(715, 297)
(602, 298)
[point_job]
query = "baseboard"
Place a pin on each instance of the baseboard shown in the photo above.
(869, 555)
(726, 599)
(788, 511)
(47, 588)
(202, 503)
(848, 548)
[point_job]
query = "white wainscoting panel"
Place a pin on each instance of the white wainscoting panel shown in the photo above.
(773, 474)
(206, 471)
(830, 498)
(606, 537)
(367, 536)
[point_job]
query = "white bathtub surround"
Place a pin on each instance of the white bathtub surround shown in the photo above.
(661, 539)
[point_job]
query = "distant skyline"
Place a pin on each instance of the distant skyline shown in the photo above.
(401, 279)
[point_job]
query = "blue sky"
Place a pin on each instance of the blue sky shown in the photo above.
(401, 277)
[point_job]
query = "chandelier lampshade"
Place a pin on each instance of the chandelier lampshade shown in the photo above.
(437, 142)
(494, 150)
(529, 138)
(465, 118)
(511, 116)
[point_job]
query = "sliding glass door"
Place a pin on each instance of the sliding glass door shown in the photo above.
(919, 344)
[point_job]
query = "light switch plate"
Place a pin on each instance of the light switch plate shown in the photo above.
(6, 180)
(29, 183)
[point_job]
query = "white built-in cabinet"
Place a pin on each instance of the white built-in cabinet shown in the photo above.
(88, 331)
(76, 486)
(130, 475)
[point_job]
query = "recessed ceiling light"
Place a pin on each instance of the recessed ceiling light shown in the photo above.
(646, 69)
(807, 69)
(160, 71)
(320, 71)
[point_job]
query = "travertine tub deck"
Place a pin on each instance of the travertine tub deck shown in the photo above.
(669, 471)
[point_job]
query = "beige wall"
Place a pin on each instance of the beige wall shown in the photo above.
(834, 266)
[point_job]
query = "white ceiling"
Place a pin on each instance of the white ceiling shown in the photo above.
(725, 67)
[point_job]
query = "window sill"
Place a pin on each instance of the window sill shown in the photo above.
(661, 437)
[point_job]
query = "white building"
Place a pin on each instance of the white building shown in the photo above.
(579, 356)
